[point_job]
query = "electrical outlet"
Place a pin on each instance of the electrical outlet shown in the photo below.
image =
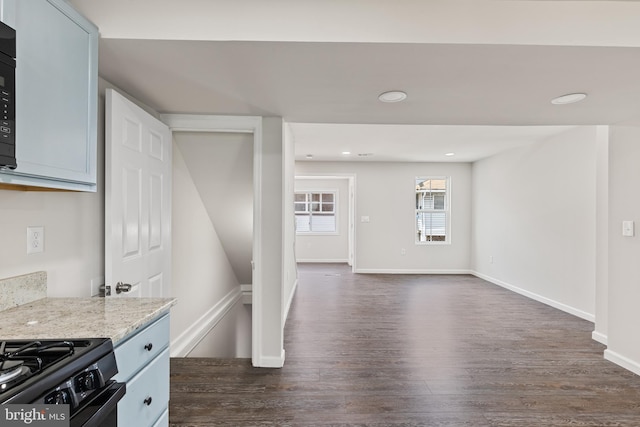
(403, 251)
(35, 240)
(490, 259)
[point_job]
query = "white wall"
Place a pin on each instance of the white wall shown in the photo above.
(74, 238)
(624, 252)
(288, 221)
(267, 321)
(385, 192)
(221, 166)
(601, 329)
(331, 247)
(534, 217)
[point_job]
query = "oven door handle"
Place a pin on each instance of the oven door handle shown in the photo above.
(101, 408)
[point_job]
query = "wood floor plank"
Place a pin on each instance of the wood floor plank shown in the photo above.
(413, 350)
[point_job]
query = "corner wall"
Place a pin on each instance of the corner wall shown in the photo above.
(288, 222)
(267, 321)
(534, 220)
(623, 339)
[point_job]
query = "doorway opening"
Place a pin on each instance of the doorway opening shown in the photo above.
(334, 240)
(219, 222)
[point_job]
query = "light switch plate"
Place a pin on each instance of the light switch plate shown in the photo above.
(628, 228)
(35, 240)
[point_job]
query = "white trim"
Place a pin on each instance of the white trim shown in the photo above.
(600, 337)
(623, 361)
(289, 301)
(191, 337)
(247, 293)
(409, 271)
(555, 304)
(271, 362)
(324, 261)
(210, 123)
(241, 124)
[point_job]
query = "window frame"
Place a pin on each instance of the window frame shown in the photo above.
(335, 194)
(446, 210)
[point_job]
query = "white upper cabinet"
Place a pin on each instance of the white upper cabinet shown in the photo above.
(56, 95)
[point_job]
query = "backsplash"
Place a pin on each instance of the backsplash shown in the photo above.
(19, 290)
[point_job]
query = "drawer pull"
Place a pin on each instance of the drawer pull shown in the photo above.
(148, 400)
(148, 347)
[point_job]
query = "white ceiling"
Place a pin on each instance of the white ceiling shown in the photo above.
(413, 143)
(471, 98)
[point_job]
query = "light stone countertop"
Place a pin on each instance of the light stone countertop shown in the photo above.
(24, 289)
(69, 318)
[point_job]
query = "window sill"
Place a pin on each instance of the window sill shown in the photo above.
(432, 243)
(318, 233)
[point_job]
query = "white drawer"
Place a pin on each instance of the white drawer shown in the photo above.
(163, 421)
(137, 351)
(147, 394)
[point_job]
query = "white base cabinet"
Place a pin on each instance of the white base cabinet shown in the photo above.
(56, 95)
(143, 363)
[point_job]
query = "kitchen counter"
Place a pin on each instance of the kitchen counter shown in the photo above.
(70, 318)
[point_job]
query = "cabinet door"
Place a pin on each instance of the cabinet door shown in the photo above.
(56, 90)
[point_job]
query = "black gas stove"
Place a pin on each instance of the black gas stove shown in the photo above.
(77, 373)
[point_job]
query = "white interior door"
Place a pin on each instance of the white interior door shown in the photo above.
(137, 200)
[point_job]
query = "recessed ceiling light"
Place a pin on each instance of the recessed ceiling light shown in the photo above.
(450, 154)
(569, 98)
(392, 96)
(346, 153)
(365, 154)
(309, 156)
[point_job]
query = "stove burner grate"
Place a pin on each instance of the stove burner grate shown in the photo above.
(16, 365)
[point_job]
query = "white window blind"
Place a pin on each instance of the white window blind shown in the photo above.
(315, 212)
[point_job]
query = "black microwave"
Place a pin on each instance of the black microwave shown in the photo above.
(7, 97)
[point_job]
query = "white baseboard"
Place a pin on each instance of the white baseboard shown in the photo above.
(324, 261)
(600, 337)
(270, 361)
(191, 337)
(408, 271)
(555, 304)
(620, 360)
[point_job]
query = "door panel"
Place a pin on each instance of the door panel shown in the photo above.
(138, 200)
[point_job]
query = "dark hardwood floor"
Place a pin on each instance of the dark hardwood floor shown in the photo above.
(411, 350)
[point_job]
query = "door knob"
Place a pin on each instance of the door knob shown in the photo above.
(122, 287)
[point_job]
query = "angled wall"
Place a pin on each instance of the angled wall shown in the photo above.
(221, 165)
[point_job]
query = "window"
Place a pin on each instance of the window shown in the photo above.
(432, 209)
(315, 212)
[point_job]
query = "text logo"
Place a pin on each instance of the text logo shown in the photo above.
(34, 415)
